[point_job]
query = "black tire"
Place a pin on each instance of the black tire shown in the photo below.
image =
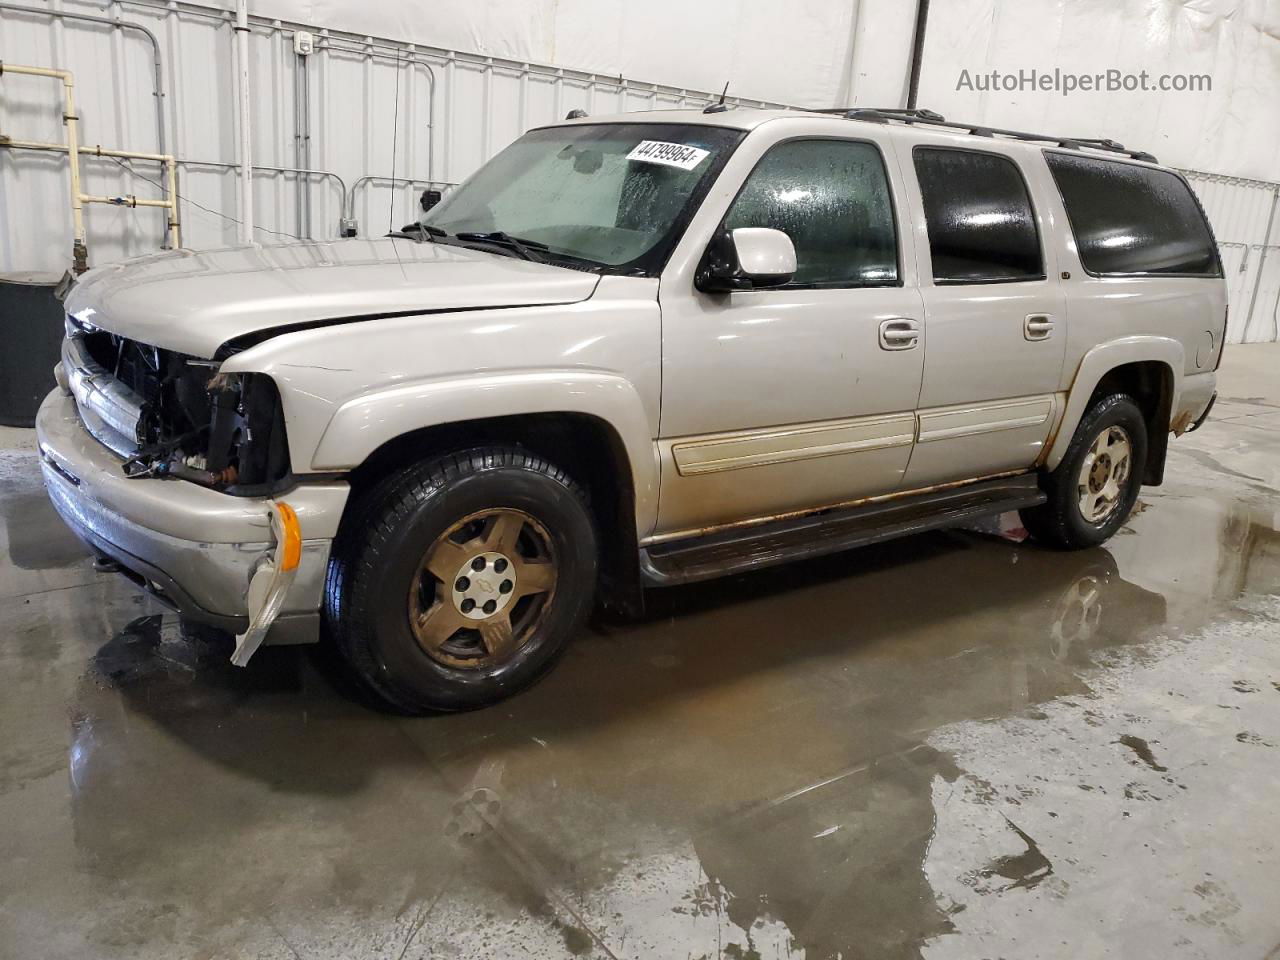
(1060, 522)
(379, 554)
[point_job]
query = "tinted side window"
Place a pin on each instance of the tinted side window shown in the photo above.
(981, 227)
(831, 197)
(1129, 219)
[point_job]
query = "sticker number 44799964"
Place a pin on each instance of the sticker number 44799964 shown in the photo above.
(668, 154)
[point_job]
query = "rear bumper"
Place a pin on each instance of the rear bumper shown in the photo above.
(1199, 421)
(1198, 393)
(193, 547)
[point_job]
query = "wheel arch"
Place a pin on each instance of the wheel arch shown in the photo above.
(585, 445)
(364, 424)
(1145, 367)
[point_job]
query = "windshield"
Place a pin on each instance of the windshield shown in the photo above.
(616, 196)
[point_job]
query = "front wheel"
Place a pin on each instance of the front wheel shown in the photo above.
(459, 581)
(1092, 491)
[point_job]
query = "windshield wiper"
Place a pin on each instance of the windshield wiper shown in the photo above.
(521, 247)
(534, 250)
(421, 232)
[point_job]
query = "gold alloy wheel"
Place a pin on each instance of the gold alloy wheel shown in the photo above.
(1104, 474)
(482, 589)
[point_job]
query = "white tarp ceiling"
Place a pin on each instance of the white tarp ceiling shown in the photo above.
(754, 44)
(826, 52)
(1233, 128)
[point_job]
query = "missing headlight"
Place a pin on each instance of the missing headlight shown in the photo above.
(219, 430)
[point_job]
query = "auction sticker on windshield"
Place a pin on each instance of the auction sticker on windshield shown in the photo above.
(668, 154)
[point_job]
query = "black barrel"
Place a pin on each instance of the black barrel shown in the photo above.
(31, 330)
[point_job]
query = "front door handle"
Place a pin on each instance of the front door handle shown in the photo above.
(899, 333)
(1037, 326)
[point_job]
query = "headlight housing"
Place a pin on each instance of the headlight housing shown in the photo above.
(246, 445)
(218, 430)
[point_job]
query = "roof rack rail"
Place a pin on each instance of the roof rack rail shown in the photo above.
(887, 114)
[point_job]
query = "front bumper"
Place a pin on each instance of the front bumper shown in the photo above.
(195, 548)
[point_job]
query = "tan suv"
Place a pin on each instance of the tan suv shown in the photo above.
(628, 352)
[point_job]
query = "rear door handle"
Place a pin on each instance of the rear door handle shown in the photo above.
(1038, 326)
(899, 333)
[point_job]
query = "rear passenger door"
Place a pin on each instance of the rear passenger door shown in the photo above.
(994, 310)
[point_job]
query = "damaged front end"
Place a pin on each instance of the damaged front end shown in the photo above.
(172, 415)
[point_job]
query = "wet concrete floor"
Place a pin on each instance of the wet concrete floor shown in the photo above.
(953, 746)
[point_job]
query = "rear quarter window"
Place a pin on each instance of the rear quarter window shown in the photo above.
(1130, 220)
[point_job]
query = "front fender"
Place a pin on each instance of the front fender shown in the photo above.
(363, 424)
(1096, 364)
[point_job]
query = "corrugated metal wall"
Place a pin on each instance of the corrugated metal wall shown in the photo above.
(358, 111)
(1244, 216)
(373, 119)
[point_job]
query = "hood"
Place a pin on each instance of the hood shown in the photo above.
(194, 302)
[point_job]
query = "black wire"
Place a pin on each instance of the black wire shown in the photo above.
(395, 134)
(185, 199)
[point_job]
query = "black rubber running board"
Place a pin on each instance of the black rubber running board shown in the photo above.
(812, 535)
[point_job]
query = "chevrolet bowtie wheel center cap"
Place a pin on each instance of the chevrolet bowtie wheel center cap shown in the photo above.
(484, 585)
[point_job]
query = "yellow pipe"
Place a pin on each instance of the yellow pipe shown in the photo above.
(94, 151)
(69, 118)
(127, 200)
(36, 71)
(167, 161)
(73, 150)
(171, 178)
(80, 251)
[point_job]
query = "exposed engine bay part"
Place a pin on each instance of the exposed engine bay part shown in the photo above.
(172, 415)
(271, 580)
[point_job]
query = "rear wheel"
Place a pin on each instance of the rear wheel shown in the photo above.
(459, 581)
(1094, 488)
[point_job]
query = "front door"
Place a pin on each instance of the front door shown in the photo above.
(802, 396)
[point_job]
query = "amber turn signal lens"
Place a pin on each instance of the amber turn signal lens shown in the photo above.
(291, 541)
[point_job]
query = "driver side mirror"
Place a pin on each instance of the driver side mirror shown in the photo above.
(746, 258)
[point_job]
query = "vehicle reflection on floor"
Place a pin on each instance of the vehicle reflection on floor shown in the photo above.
(776, 724)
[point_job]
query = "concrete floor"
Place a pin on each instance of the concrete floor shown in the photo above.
(948, 747)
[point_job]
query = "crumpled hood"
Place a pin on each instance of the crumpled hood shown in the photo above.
(193, 302)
